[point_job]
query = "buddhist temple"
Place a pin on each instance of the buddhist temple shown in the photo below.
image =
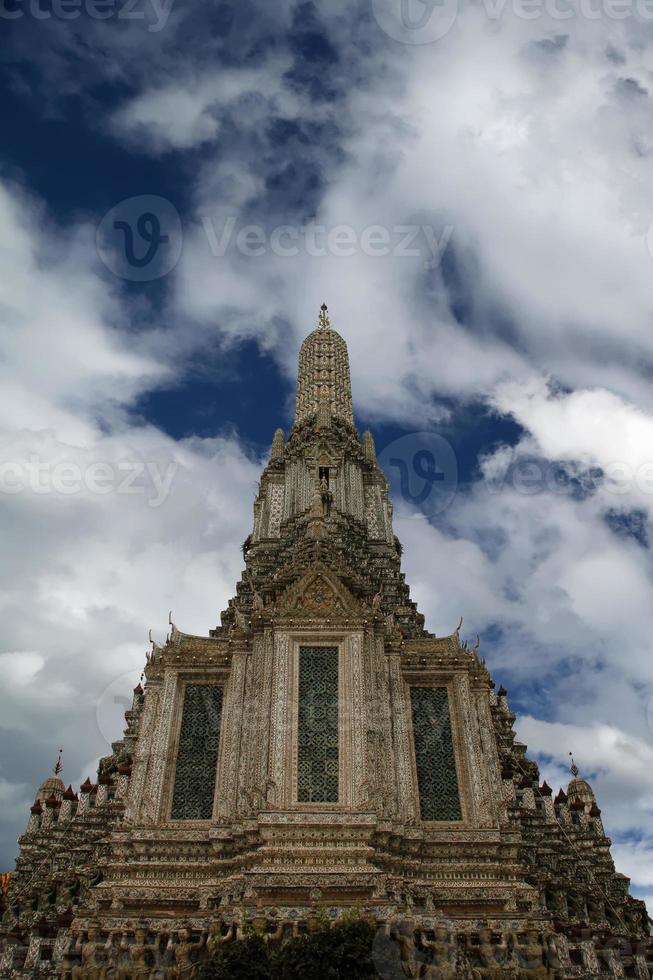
(320, 751)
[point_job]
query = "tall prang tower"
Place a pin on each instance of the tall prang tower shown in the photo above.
(320, 751)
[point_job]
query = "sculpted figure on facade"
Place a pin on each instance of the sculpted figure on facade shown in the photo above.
(443, 952)
(532, 957)
(93, 965)
(139, 957)
(489, 967)
(184, 951)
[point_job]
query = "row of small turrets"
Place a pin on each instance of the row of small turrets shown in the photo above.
(57, 804)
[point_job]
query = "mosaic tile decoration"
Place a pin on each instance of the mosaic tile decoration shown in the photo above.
(436, 765)
(197, 756)
(317, 737)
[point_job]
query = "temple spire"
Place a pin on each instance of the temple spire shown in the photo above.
(323, 321)
(323, 383)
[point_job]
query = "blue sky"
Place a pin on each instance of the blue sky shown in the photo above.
(469, 189)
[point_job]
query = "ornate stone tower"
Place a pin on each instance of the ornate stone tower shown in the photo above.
(320, 750)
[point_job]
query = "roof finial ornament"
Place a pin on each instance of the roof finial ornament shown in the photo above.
(57, 766)
(574, 770)
(323, 321)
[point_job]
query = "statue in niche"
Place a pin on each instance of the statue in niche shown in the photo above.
(326, 497)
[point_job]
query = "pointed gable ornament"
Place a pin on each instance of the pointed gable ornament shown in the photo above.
(318, 592)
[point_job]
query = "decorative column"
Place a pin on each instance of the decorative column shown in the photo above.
(85, 802)
(546, 794)
(280, 720)
(489, 756)
(158, 760)
(68, 805)
(50, 813)
(247, 729)
(122, 783)
(232, 718)
(104, 782)
(34, 821)
(386, 771)
(478, 763)
(258, 735)
(141, 760)
(407, 802)
(359, 721)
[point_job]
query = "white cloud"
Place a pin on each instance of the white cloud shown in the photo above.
(62, 359)
(186, 113)
(596, 427)
(635, 859)
(20, 667)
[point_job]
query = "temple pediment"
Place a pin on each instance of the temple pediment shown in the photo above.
(319, 592)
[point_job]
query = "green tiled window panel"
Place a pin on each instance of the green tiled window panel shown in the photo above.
(197, 755)
(436, 765)
(317, 755)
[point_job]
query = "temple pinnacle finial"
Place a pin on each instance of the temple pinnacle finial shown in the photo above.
(57, 766)
(323, 377)
(323, 321)
(574, 770)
